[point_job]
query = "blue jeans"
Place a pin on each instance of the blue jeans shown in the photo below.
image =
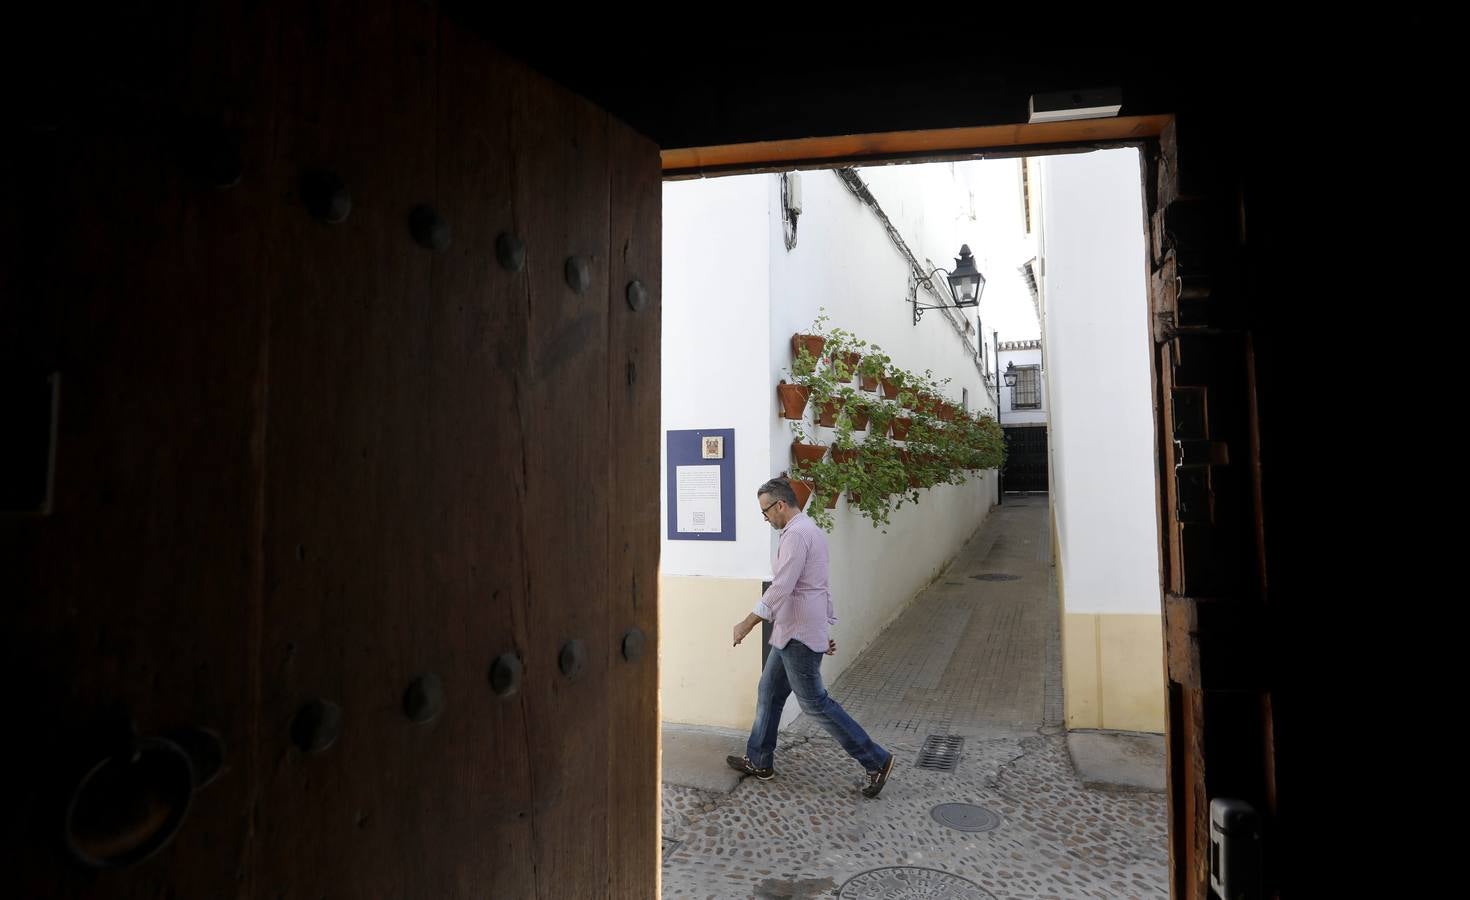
(796, 669)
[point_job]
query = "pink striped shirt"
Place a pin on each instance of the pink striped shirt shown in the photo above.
(798, 604)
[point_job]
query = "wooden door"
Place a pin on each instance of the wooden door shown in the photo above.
(356, 327)
(1219, 714)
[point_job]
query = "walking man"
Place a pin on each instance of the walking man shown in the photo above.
(799, 608)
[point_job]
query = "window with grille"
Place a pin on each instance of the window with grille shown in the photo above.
(1027, 392)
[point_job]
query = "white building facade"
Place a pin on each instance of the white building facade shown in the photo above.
(1093, 300)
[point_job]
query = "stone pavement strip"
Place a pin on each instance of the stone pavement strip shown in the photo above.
(977, 658)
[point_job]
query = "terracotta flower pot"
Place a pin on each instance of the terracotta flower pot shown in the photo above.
(815, 344)
(859, 421)
(869, 384)
(828, 414)
(901, 428)
(851, 360)
(806, 454)
(854, 498)
(890, 390)
(832, 499)
(946, 412)
(803, 491)
(841, 456)
(793, 399)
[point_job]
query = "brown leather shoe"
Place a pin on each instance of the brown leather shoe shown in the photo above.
(743, 765)
(877, 779)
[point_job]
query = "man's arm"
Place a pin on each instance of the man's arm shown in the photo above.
(743, 627)
(790, 560)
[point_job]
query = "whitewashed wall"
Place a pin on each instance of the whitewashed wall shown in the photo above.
(717, 350)
(1097, 348)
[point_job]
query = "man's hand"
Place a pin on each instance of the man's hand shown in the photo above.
(831, 646)
(742, 628)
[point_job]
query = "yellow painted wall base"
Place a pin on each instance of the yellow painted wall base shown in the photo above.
(1113, 671)
(702, 679)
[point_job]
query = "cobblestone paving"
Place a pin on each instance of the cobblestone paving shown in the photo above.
(976, 658)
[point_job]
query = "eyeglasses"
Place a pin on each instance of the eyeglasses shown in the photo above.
(766, 509)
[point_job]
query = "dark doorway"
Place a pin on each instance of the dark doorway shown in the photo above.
(1025, 458)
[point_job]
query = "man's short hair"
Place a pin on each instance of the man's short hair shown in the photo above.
(779, 488)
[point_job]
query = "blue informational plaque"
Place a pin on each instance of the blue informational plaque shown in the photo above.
(701, 486)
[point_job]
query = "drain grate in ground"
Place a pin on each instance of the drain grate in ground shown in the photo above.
(966, 817)
(996, 576)
(894, 882)
(940, 752)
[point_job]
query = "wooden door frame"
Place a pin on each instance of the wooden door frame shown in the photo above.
(934, 145)
(956, 144)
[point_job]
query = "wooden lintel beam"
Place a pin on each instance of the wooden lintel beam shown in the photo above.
(826, 152)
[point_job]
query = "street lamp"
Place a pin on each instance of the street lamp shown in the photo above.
(966, 284)
(1010, 380)
(1000, 474)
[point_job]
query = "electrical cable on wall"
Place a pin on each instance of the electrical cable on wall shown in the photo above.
(790, 205)
(854, 183)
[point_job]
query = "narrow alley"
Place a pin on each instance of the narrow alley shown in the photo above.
(976, 660)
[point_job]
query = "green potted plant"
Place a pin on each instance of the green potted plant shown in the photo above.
(941, 444)
(805, 450)
(873, 481)
(901, 426)
(880, 418)
(925, 402)
(802, 489)
(844, 448)
(795, 394)
(813, 341)
(871, 368)
(827, 396)
(821, 385)
(826, 480)
(893, 381)
(911, 473)
(859, 410)
(988, 442)
(845, 350)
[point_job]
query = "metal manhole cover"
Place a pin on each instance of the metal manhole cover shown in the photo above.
(904, 882)
(996, 576)
(966, 817)
(940, 752)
